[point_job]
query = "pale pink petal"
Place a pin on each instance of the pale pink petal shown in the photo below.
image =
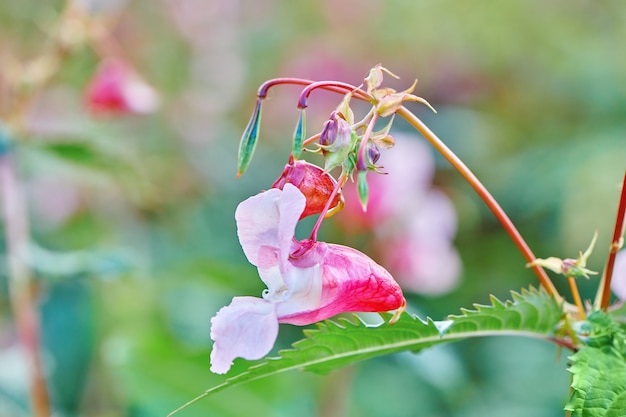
(435, 218)
(351, 281)
(266, 224)
(618, 281)
(247, 328)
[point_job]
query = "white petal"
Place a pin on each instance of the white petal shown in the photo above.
(305, 290)
(247, 328)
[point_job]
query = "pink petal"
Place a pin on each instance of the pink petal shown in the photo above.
(435, 217)
(116, 88)
(266, 224)
(618, 281)
(247, 328)
(351, 281)
(424, 265)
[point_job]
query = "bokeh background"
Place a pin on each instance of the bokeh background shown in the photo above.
(134, 240)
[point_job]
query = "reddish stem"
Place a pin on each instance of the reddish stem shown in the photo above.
(333, 86)
(577, 300)
(361, 163)
(340, 183)
(616, 244)
(438, 144)
(20, 287)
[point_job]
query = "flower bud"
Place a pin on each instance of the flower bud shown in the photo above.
(335, 141)
(316, 184)
(373, 153)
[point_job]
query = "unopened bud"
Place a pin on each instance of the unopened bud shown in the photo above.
(316, 184)
(335, 141)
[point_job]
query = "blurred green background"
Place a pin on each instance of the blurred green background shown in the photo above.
(132, 217)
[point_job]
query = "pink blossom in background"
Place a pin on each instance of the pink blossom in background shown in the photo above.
(618, 281)
(116, 89)
(414, 223)
(307, 281)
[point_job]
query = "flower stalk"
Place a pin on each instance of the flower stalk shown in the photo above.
(440, 146)
(577, 299)
(604, 291)
(484, 194)
(21, 293)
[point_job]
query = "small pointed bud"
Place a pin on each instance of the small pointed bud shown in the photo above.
(362, 189)
(316, 184)
(375, 78)
(569, 267)
(385, 142)
(390, 101)
(344, 110)
(299, 134)
(249, 139)
(552, 263)
(335, 141)
(373, 153)
(382, 138)
(329, 131)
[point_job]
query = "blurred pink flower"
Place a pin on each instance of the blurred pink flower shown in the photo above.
(618, 281)
(307, 281)
(414, 223)
(116, 88)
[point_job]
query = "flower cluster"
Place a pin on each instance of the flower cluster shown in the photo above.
(309, 280)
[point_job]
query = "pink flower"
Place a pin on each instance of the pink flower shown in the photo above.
(307, 281)
(618, 281)
(116, 88)
(316, 184)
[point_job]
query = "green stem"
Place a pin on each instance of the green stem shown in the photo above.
(484, 194)
(604, 291)
(20, 285)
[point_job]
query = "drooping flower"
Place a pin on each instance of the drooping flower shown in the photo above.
(316, 184)
(307, 281)
(117, 89)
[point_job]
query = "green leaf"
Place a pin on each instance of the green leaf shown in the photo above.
(533, 313)
(598, 383)
(81, 153)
